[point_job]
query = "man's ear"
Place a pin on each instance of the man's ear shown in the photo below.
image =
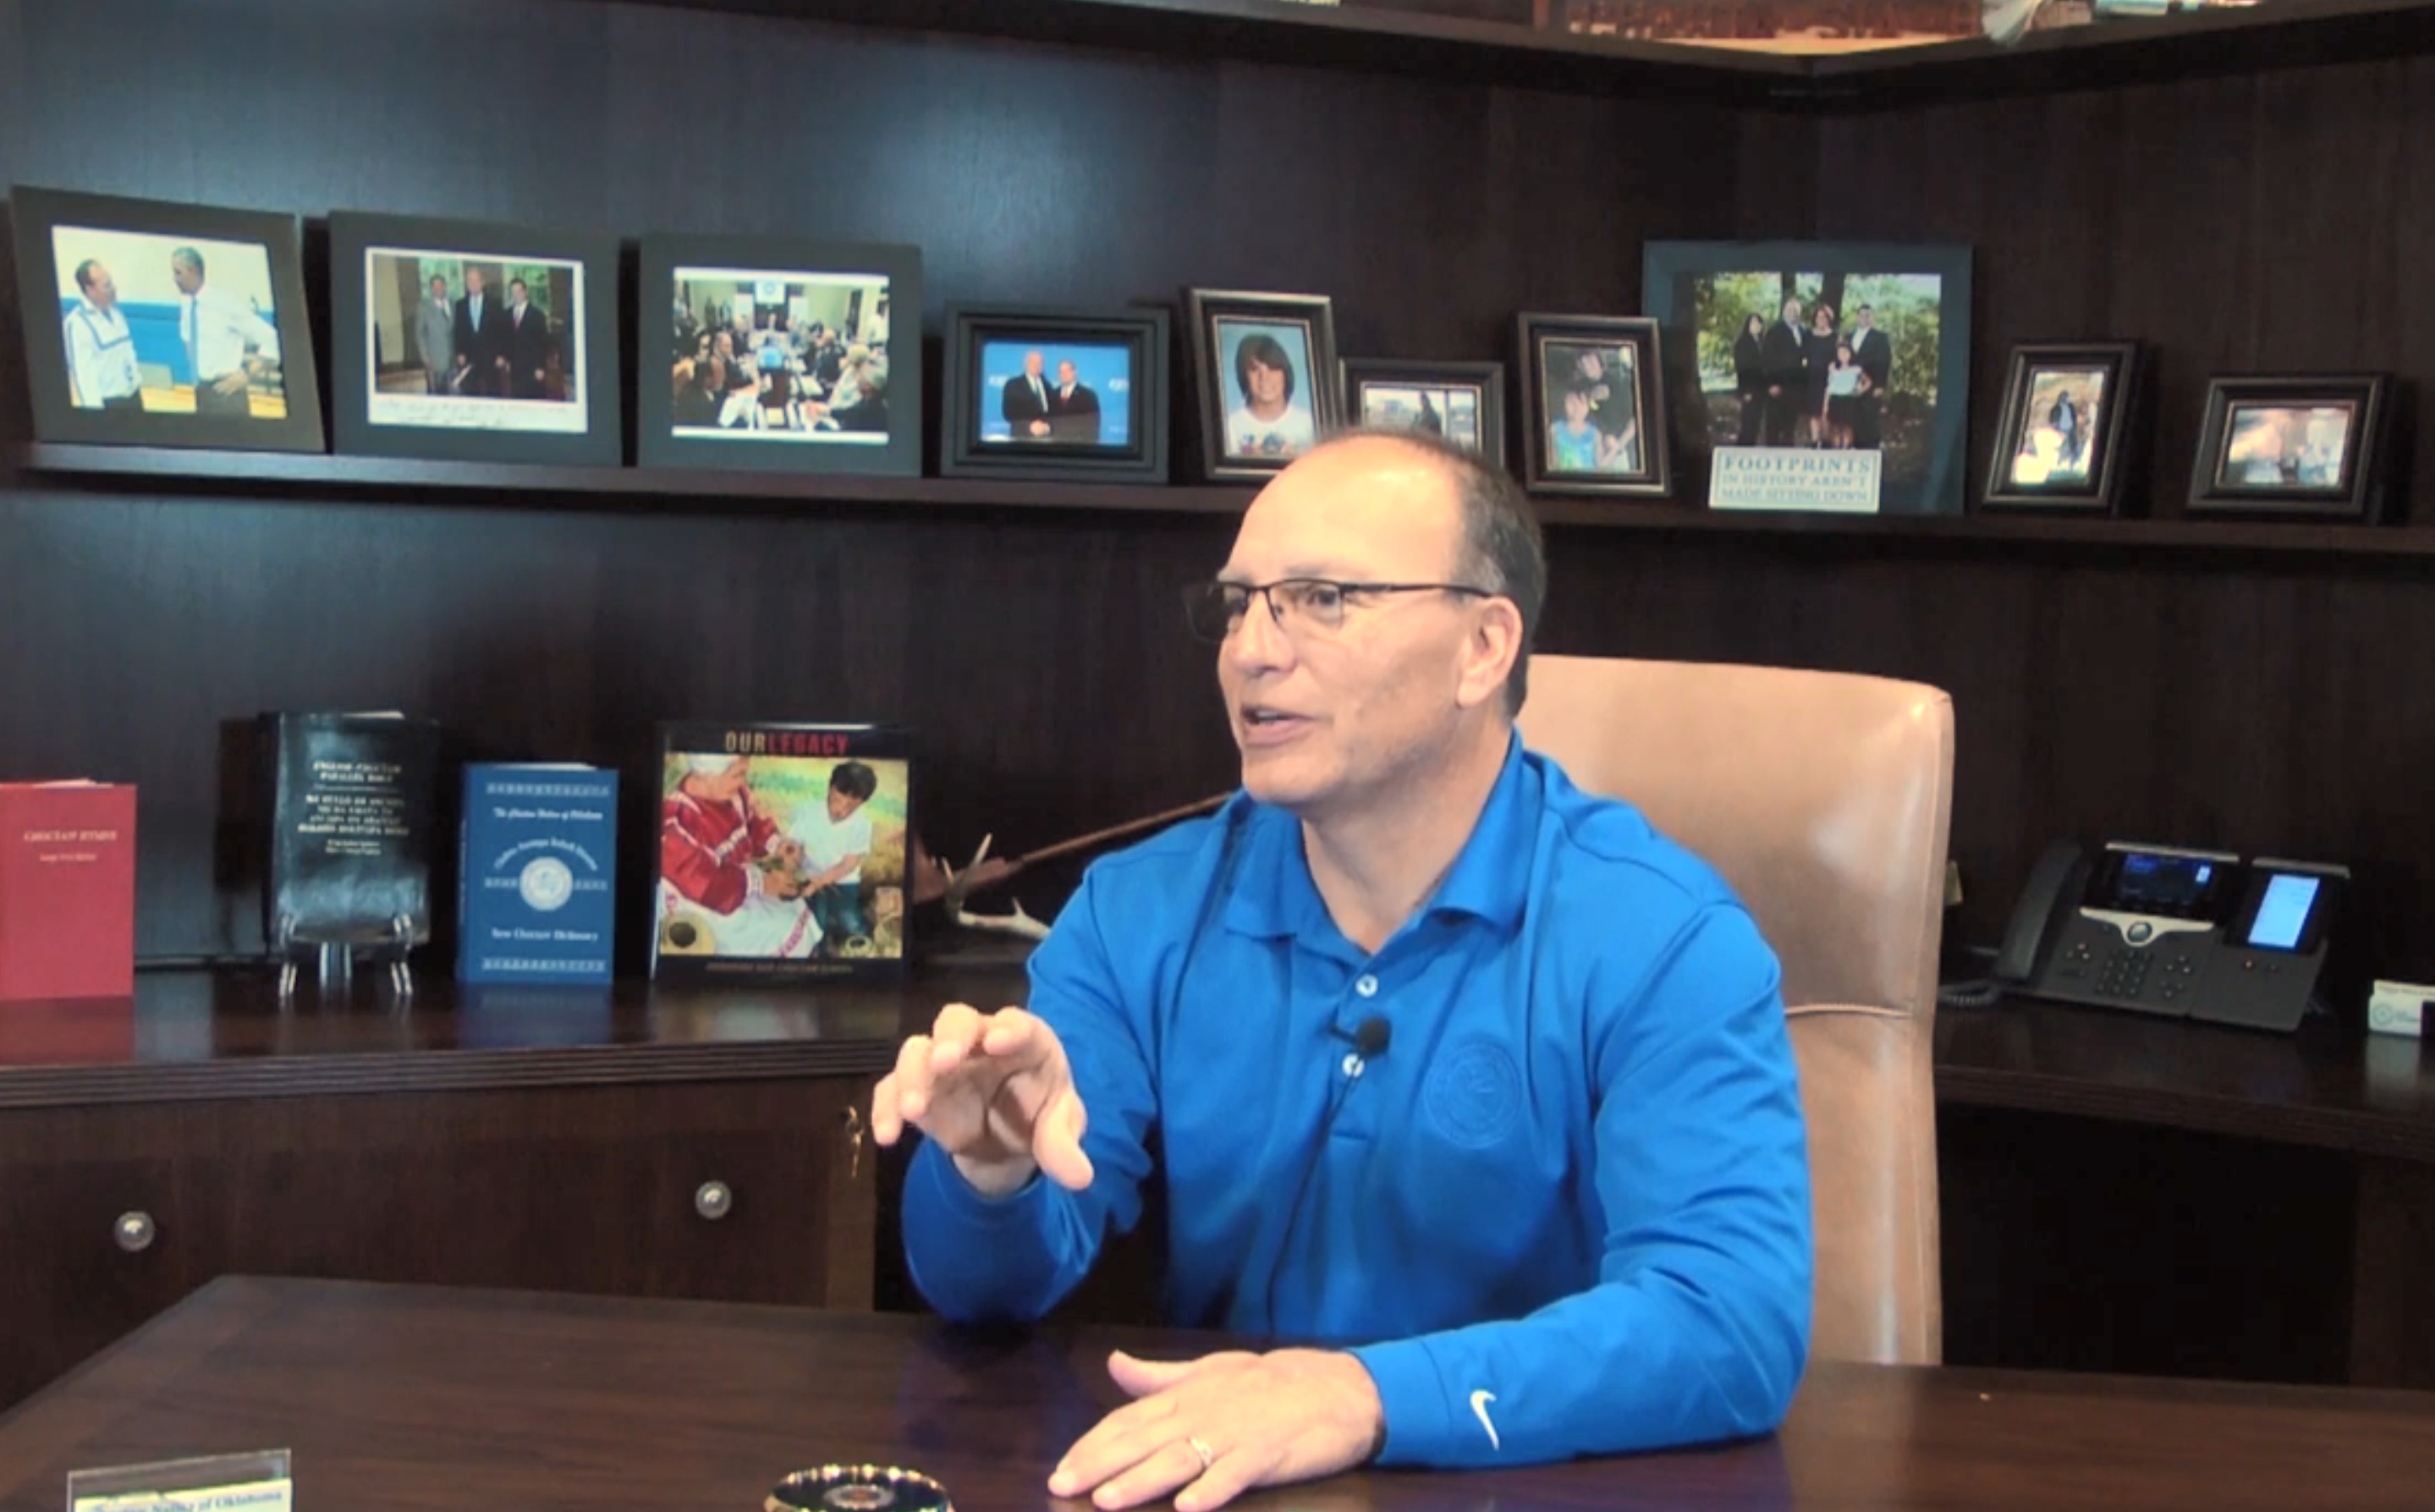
(1488, 652)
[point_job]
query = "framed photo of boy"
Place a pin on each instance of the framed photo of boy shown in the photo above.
(776, 353)
(2060, 434)
(2308, 444)
(151, 323)
(1073, 394)
(1823, 346)
(1264, 377)
(1463, 401)
(459, 338)
(1593, 406)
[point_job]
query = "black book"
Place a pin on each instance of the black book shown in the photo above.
(351, 830)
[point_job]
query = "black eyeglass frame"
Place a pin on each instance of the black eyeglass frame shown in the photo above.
(1197, 594)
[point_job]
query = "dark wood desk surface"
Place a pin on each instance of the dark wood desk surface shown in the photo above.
(397, 1399)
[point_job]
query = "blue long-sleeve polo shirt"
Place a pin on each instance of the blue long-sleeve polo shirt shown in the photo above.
(1566, 1211)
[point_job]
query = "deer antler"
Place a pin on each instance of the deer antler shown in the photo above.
(959, 886)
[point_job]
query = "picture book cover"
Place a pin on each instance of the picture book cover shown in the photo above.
(783, 851)
(537, 881)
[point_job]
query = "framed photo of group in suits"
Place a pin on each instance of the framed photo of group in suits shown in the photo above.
(1265, 382)
(780, 355)
(1078, 395)
(153, 323)
(457, 339)
(2061, 437)
(2309, 445)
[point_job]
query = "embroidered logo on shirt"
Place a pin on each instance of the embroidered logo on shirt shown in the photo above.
(1479, 1400)
(1474, 1095)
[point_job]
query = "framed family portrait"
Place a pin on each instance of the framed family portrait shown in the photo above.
(2305, 446)
(1822, 346)
(774, 354)
(2060, 434)
(1593, 406)
(464, 339)
(1265, 383)
(1078, 395)
(151, 323)
(1463, 401)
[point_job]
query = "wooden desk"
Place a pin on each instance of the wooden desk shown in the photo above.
(398, 1399)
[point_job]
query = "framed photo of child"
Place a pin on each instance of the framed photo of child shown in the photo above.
(1593, 406)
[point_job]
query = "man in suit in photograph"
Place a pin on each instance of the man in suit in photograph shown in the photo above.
(435, 334)
(482, 340)
(528, 344)
(1073, 410)
(1026, 402)
(1875, 356)
(1780, 361)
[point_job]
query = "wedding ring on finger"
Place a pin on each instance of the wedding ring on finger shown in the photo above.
(1201, 1446)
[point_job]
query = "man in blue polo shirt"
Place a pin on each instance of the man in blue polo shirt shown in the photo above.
(1451, 1067)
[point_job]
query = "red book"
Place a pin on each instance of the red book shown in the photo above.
(67, 890)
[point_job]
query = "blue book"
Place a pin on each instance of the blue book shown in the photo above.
(538, 862)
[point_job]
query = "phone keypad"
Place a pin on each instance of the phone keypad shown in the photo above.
(2128, 973)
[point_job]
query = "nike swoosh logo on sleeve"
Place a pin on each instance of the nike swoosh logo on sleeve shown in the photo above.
(1479, 1400)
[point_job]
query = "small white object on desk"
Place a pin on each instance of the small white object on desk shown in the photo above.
(2398, 1008)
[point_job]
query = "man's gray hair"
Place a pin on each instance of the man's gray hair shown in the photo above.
(1503, 550)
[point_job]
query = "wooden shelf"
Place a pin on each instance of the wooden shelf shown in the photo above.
(2274, 33)
(698, 488)
(281, 474)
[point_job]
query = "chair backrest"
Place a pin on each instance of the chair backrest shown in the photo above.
(1825, 799)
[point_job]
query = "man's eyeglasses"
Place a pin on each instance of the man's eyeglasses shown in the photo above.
(1312, 605)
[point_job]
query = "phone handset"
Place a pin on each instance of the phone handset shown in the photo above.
(2034, 916)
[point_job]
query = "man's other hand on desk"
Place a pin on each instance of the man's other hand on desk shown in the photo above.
(994, 1092)
(1208, 1430)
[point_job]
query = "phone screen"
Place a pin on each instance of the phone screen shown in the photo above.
(2283, 912)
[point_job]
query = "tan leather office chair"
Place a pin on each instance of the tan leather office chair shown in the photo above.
(1825, 799)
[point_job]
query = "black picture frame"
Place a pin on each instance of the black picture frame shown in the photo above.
(839, 270)
(1234, 441)
(978, 429)
(572, 413)
(1623, 422)
(2303, 417)
(1482, 419)
(1700, 293)
(2063, 433)
(244, 255)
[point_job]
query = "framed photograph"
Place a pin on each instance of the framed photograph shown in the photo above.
(1593, 406)
(1056, 393)
(1763, 338)
(2059, 436)
(775, 354)
(1464, 401)
(150, 323)
(462, 339)
(1264, 373)
(2310, 445)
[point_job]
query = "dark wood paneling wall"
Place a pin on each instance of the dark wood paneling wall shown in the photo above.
(1043, 657)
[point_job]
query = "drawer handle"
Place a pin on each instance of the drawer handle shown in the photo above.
(134, 1231)
(713, 1200)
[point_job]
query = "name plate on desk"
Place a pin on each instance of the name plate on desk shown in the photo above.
(255, 1482)
(1795, 477)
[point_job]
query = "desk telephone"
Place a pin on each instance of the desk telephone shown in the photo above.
(2186, 934)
